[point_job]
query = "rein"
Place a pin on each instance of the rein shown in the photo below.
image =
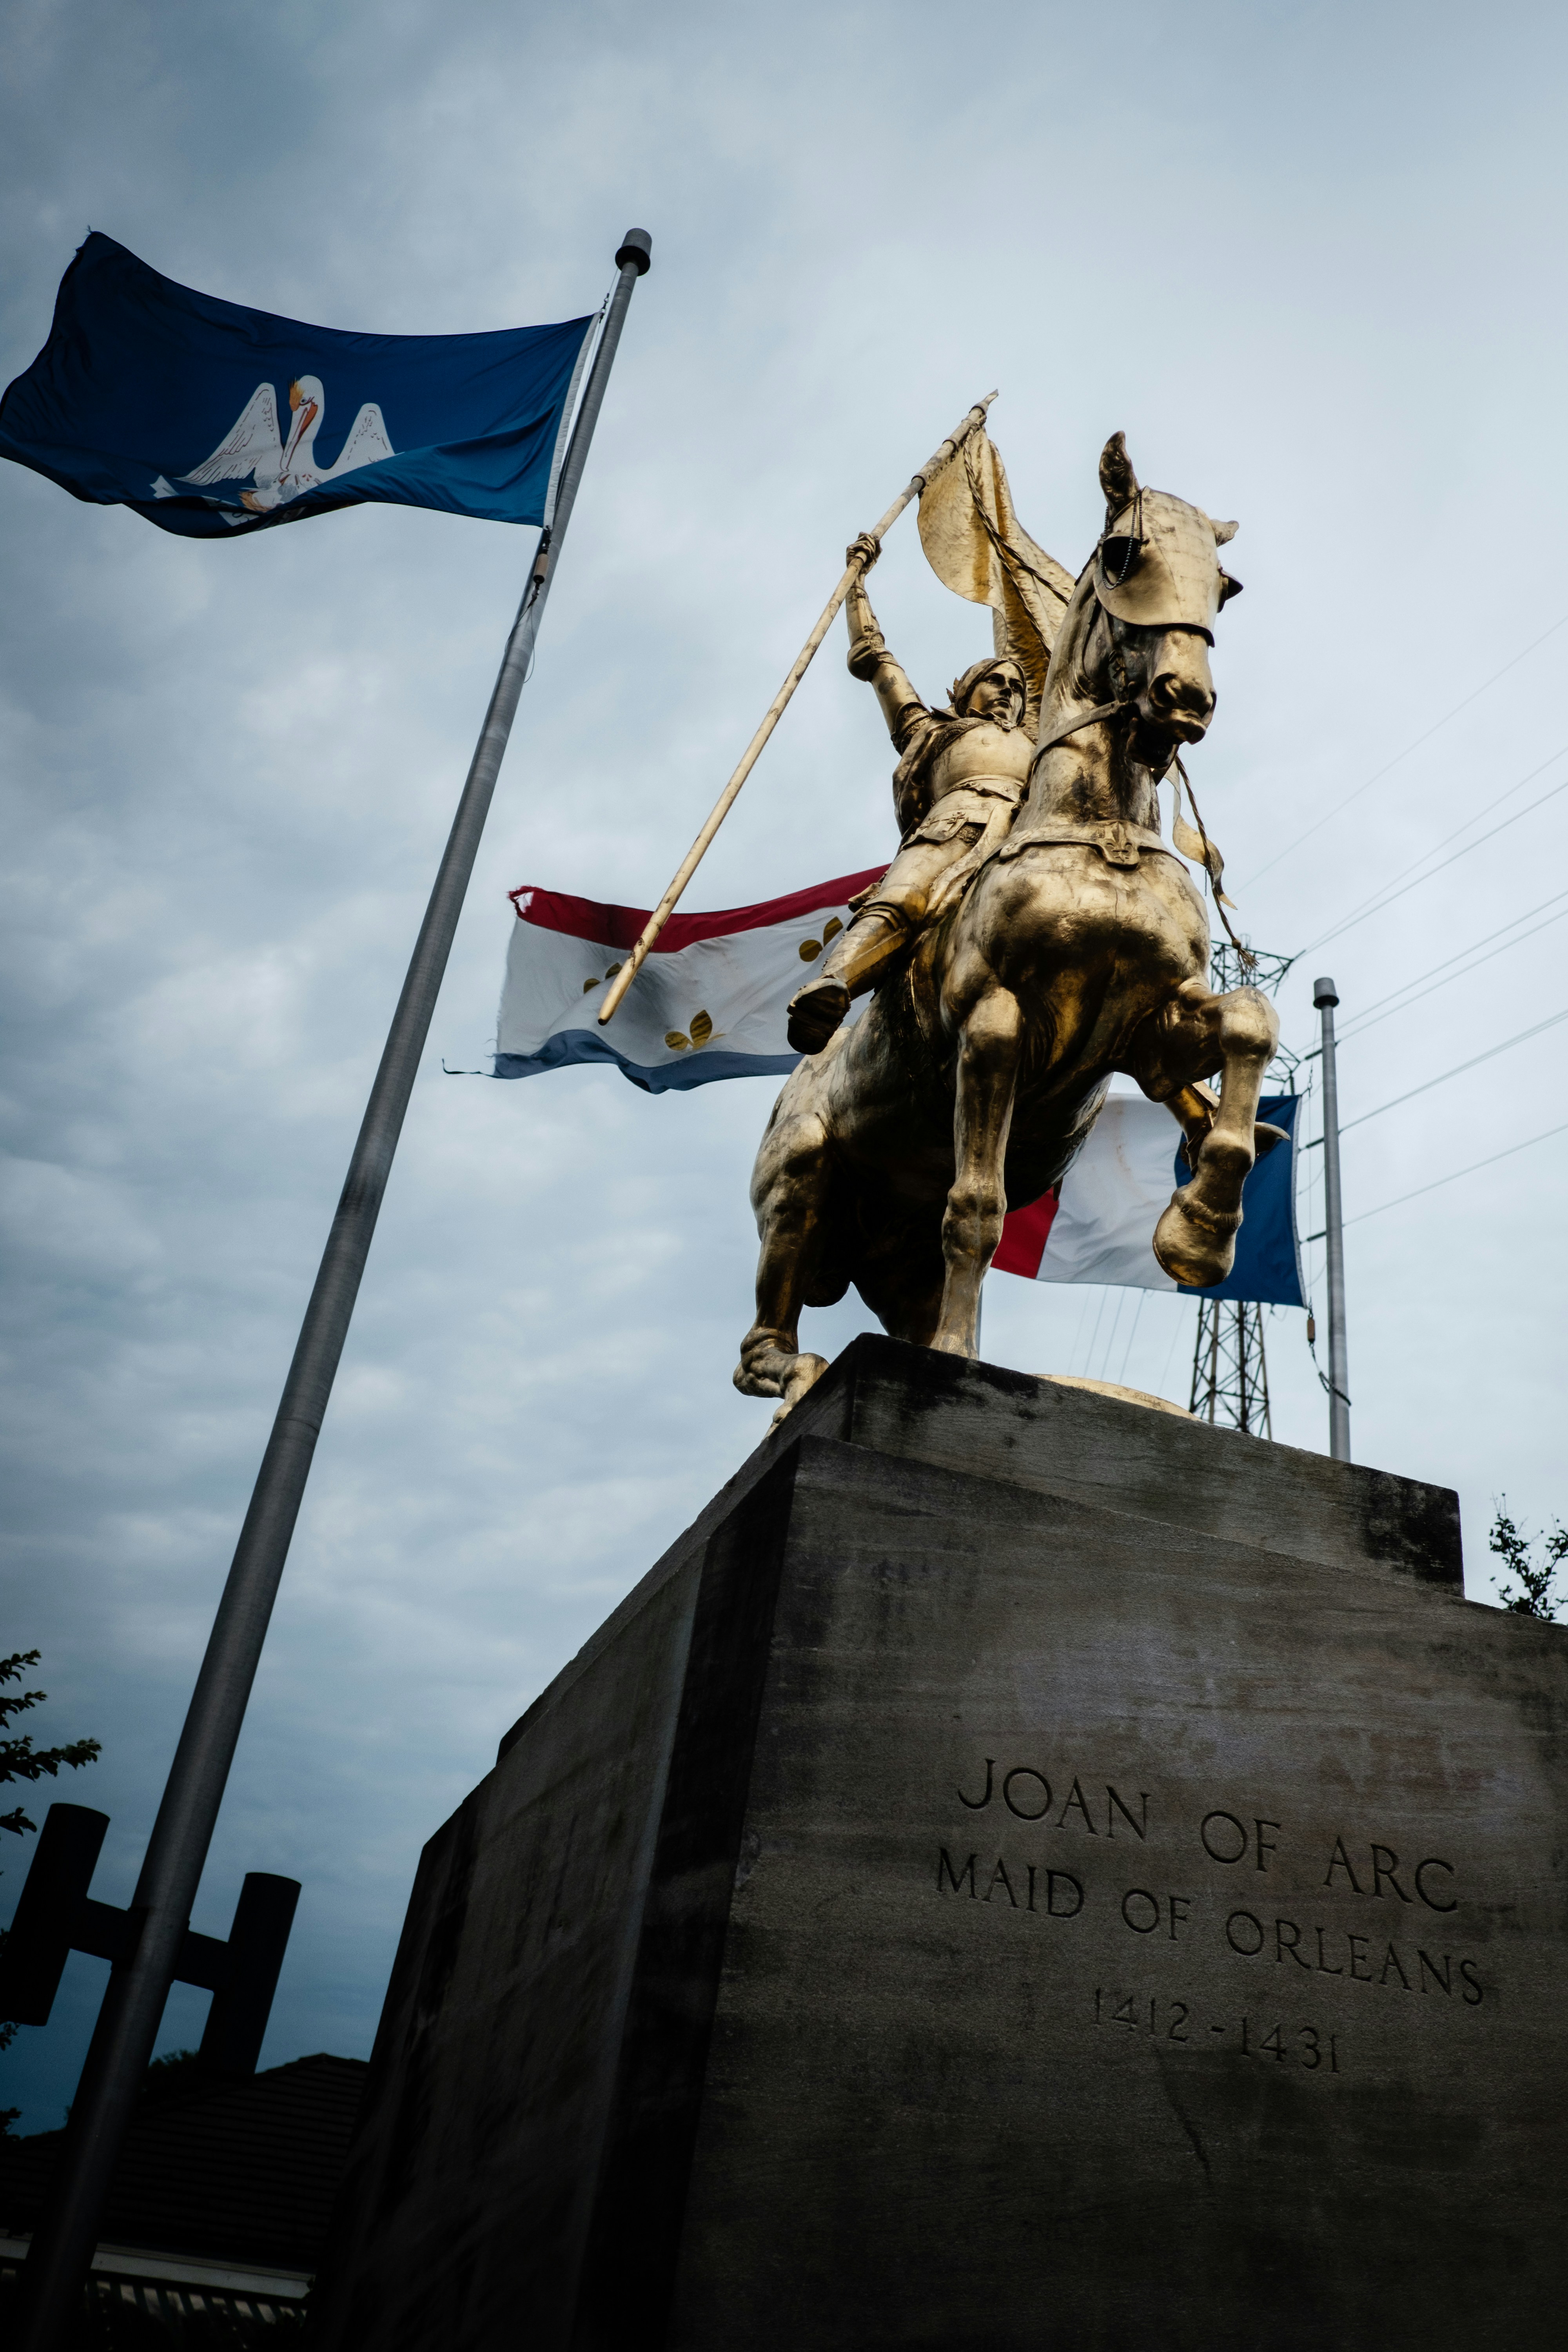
(1214, 865)
(1211, 859)
(1076, 727)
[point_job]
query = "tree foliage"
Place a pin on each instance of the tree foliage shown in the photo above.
(20, 1760)
(1534, 1596)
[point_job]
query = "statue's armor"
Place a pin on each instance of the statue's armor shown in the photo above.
(956, 790)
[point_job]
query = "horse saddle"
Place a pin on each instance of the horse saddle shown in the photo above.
(1119, 842)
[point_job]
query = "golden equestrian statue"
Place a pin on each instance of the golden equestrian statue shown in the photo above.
(1035, 934)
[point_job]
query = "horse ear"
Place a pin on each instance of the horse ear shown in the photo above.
(1223, 533)
(1117, 478)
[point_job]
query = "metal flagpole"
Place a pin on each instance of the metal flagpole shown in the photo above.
(62, 2254)
(1325, 996)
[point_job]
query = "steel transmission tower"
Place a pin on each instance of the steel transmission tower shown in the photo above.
(1230, 1370)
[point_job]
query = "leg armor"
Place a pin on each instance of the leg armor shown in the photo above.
(876, 941)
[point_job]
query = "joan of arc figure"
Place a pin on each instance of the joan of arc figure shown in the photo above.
(961, 774)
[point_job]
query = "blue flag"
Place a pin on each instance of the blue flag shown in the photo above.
(213, 420)
(1267, 1264)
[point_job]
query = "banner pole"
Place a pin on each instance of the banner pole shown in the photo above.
(1325, 996)
(776, 708)
(60, 2257)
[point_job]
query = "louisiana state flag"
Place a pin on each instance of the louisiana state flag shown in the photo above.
(215, 421)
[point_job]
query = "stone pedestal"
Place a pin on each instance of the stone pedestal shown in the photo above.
(1022, 1872)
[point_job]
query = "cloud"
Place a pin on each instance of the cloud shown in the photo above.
(1295, 254)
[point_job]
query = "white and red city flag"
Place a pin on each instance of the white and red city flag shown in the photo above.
(711, 1002)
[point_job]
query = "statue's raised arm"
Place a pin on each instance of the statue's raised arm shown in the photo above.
(870, 660)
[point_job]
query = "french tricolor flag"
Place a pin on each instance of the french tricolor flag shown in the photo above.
(1098, 1224)
(710, 1001)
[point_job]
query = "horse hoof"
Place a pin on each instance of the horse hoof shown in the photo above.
(816, 1011)
(1196, 1245)
(808, 1370)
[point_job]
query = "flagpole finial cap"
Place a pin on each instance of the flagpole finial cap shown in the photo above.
(636, 248)
(1324, 992)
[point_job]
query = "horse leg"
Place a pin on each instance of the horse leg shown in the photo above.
(1195, 1106)
(788, 1194)
(977, 1203)
(1195, 1238)
(1193, 1109)
(898, 1272)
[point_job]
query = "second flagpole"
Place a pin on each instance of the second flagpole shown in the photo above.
(1325, 996)
(58, 2261)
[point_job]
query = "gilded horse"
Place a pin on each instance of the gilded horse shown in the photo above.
(1080, 949)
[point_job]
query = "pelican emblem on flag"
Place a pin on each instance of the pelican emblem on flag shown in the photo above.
(279, 469)
(127, 402)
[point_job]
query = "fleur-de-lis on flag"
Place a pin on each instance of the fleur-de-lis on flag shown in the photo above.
(701, 1031)
(810, 950)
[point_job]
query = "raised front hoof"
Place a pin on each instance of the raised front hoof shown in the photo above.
(1194, 1244)
(816, 1011)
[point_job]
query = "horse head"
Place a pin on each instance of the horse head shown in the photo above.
(1140, 624)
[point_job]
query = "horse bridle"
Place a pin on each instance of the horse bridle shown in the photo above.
(1076, 726)
(1128, 701)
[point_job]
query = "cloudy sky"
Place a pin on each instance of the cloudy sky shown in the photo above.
(1308, 257)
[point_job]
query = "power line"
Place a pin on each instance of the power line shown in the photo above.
(1435, 726)
(1094, 1335)
(1104, 1372)
(1377, 1011)
(1375, 905)
(1170, 1352)
(1428, 1083)
(1085, 1303)
(1439, 1182)
(1132, 1334)
(1375, 899)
